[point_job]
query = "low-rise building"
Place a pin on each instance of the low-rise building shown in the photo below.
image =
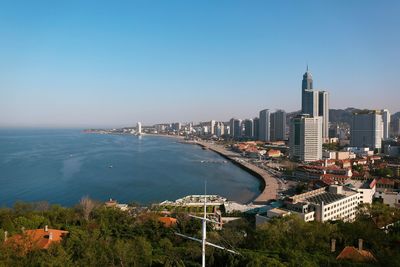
(335, 202)
(391, 198)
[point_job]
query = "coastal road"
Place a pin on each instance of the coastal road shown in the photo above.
(271, 188)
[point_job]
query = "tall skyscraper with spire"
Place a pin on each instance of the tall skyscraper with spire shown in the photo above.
(314, 102)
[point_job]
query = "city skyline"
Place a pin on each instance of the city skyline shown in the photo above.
(84, 65)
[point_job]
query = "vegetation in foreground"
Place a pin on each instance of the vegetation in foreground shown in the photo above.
(100, 236)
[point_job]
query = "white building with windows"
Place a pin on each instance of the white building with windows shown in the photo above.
(331, 203)
(305, 138)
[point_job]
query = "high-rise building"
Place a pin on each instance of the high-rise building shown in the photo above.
(305, 140)
(264, 124)
(367, 129)
(278, 125)
(139, 128)
(386, 123)
(396, 127)
(315, 103)
(219, 129)
(323, 111)
(248, 128)
(212, 127)
(256, 131)
(236, 128)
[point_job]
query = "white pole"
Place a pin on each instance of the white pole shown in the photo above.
(203, 243)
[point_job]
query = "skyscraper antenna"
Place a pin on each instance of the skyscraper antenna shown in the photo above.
(307, 67)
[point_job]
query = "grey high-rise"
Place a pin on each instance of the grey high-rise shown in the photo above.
(248, 128)
(264, 124)
(367, 129)
(278, 125)
(256, 124)
(235, 128)
(323, 111)
(315, 103)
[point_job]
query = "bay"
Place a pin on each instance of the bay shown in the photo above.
(62, 165)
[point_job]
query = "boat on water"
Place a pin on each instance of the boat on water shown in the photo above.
(111, 166)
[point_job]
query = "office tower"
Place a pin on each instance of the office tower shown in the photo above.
(386, 123)
(212, 127)
(278, 125)
(256, 131)
(367, 129)
(219, 129)
(176, 126)
(248, 128)
(139, 128)
(305, 140)
(396, 127)
(236, 128)
(315, 103)
(323, 111)
(264, 124)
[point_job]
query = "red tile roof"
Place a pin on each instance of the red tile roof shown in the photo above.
(357, 255)
(36, 239)
(167, 221)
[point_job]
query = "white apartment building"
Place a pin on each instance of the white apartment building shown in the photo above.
(305, 140)
(331, 203)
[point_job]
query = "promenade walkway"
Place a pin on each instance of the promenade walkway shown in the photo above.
(271, 188)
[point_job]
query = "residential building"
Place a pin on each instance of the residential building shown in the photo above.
(236, 128)
(36, 239)
(386, 123)
(256, 131)
(264, 125)
(305, 140)
(139, 128)
(278, 125)
(367, 129)
(323, 111)
(248, 128)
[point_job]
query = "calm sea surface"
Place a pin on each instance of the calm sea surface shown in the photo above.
(61, 166)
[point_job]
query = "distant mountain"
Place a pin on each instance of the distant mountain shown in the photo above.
(339, 115)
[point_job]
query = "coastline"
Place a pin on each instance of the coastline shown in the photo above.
(269, 183)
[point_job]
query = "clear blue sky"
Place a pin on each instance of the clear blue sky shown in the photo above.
(112, 63)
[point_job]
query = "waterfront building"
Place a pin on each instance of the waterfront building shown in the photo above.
(139, 128)
(367, 129)
(256, 131)
(305, 140)
(176, 126)
(264, 125)
(278, 125)
(315, 103)
(227, 129)
(386, 123)
(212, 127)
(248, 128)
(236, 128)
(219, 129)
